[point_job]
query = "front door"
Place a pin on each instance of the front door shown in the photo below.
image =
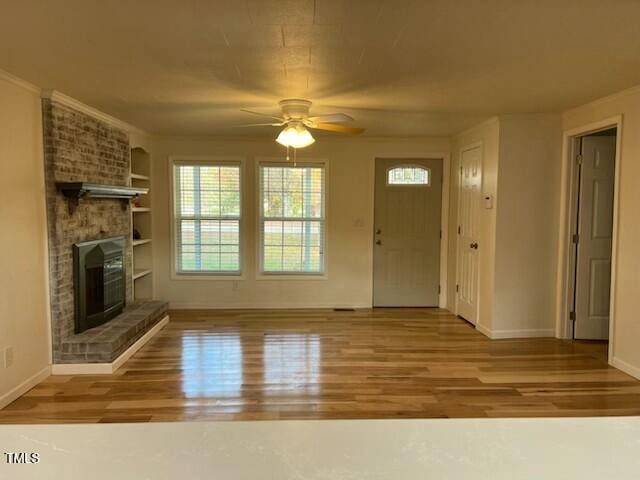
(594, 237)
(408, 208)
(469, 191)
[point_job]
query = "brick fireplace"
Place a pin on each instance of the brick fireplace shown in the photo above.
(81, 148)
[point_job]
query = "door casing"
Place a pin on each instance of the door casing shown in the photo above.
(593, 211)
(466, 148)
(444, 241)
(568, 196)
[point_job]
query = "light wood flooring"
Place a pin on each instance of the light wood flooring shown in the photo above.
(317, 364)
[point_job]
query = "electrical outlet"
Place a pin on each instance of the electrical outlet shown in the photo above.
(8, 357)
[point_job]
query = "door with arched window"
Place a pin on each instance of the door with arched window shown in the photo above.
(407, 222)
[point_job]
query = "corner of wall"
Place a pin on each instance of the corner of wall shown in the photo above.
(26, 289)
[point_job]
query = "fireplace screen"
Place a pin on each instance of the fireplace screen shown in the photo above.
(99, 275)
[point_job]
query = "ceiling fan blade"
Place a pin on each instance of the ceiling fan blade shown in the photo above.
(258, 125)
(331, 118)
(335, 127)
(262, 114)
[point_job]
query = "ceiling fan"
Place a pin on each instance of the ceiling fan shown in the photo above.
(296, 120)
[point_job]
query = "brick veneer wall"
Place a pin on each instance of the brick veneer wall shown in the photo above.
(79, 147)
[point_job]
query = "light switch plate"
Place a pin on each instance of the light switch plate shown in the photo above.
(8, 357)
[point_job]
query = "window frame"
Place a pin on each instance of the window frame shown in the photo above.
(228, 161)
(408, 165)
(261, 274)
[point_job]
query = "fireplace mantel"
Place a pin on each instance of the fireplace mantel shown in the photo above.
(74, 191)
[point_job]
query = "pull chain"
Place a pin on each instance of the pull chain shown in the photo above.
(295, 155)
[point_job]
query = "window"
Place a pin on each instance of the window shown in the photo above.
(408, 175)
(207, 216)
(292, 219)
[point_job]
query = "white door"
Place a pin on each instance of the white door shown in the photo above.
(469, 193)
(595, 229)
(406, 259)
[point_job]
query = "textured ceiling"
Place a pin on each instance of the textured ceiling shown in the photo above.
(399, 67)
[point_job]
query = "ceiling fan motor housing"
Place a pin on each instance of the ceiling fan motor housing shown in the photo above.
(295, 108)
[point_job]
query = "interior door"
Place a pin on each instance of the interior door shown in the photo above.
(408, 208)
(469, 193)
(594, 241)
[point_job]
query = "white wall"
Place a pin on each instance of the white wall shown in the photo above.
(527, 225)
(349, 217)
(24, 308)
(626, 335)
(518, 236)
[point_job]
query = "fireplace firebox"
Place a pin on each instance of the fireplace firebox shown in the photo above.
(99, 280)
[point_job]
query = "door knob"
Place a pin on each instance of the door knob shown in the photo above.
(378, 231)
(378, 242)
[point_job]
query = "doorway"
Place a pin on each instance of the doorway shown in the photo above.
(407, 232)
(469, 192)
(592, 222)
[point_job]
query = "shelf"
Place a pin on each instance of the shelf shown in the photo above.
(140, 176)
(137, 176)
(141, 241)
(140, 273)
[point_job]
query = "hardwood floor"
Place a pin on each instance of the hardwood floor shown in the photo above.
(316, 364)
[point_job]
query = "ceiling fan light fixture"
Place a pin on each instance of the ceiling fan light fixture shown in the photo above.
(295, 136)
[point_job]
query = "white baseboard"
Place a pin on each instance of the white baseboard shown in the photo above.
(283, 306)
(108, 368)
(531, 333)
(483, 330)
(626, 367)
(24, 387)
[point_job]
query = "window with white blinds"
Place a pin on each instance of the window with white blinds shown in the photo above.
(207, 217)
(292, 219)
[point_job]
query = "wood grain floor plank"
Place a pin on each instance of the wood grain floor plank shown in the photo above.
(321, 364)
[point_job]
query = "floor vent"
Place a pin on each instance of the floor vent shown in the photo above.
(344, 310)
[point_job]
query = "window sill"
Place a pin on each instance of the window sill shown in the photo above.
(292, 276)
(211, 277)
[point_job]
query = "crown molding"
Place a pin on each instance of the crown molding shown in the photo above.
(598, 101)
(4, 75)
(59, 97)
(495, 119)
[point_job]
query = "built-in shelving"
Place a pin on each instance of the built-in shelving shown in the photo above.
(141, 273)
(141, 241)
(141, 221)
(137, 176)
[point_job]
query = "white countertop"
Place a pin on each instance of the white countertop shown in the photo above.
(563, 448)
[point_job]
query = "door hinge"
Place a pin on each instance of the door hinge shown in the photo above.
(457, 288)
(438, 289)
(459, 230)
(575, 238)
(579, 159)
(441, 234)
(572, 316)
(460, 170)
